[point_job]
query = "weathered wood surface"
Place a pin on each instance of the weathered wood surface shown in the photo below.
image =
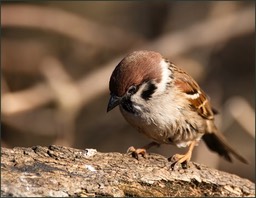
(62, 171)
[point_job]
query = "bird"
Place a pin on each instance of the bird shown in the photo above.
(166, 104)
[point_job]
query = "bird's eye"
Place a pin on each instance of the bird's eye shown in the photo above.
(132, 90)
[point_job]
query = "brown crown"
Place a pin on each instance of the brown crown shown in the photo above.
(134, 69)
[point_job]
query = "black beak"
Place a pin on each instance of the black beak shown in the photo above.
(113, 102)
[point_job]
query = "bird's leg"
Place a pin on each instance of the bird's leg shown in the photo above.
(183, 159)
(141, 151)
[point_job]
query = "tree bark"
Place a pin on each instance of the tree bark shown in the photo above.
(62, 171)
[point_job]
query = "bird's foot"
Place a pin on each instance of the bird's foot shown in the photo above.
(136, 152)
(178, 159)
(182, 160)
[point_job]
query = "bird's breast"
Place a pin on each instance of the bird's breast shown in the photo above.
(164, 124)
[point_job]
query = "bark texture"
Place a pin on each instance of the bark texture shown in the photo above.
(62, 171)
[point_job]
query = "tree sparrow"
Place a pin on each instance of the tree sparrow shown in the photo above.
(166, 104)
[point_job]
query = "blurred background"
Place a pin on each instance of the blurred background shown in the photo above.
(57, 58)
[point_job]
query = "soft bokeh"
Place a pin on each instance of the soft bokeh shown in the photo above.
(57, 58)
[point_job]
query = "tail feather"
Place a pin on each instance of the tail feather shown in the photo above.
(217, 143)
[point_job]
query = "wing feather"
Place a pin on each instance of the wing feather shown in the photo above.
(195, 95)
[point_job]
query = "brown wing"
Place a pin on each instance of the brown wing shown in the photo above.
(196, 96)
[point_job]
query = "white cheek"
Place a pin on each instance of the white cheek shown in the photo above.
(136, 98)
(165, 76)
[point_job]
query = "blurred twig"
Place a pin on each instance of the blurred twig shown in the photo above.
(67, 24)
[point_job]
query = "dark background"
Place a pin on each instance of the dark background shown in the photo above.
(57, 58)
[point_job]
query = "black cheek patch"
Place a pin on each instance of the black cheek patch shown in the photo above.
(127, 106)
(147, 94)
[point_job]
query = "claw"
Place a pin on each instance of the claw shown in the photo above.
(141, 151)
(136, 152)
(182, 160)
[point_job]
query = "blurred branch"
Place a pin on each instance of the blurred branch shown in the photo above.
(27, 100)
(68, 99)
(65, 90)
(206, 33)
(202, 34)
(65, 93)
(4, 85)
(66, 23)
(236, 106)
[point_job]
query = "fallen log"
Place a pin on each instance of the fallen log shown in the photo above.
(62, 171)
